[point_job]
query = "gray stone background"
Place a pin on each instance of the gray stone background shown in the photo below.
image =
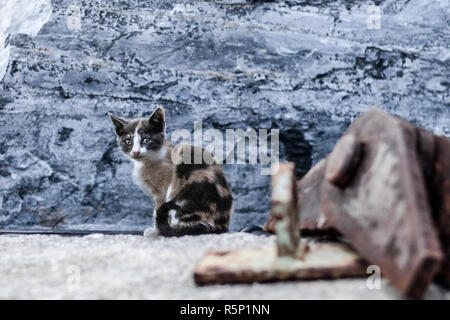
(305, 67)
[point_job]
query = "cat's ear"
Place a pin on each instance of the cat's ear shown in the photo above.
(158, 117)
(119, 123)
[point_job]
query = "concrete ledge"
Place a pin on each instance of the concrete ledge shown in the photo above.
(133, 267)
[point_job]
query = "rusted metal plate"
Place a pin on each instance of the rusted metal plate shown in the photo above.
(440, 198)
(341, 165)
(434, 154)
(284, 210)
(311, 219)
(384, 210)
(290, 259)
(426, 152)
(323, 261)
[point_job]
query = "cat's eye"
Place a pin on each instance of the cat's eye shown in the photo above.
(146, 140)
(128, 141)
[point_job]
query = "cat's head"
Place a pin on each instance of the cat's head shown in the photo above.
(141, 138)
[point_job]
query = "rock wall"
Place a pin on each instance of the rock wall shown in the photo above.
(20, 16)
(305, 67)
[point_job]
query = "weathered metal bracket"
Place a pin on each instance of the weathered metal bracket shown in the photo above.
(291, 259)
(311, 220)
(284, 211)
(322, 261)
(383, 208)
(437, 177)
(386, 188)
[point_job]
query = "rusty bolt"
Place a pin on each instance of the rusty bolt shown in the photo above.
(343, 161)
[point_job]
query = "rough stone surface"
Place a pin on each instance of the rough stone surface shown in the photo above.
(305, 67)
(20, 17)
(129, 267)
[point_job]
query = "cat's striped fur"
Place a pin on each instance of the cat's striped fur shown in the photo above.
(189, 198)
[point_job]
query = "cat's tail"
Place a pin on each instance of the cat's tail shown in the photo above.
(166, 227)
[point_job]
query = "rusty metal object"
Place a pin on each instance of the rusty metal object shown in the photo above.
(440, 198)
(284, 210)
(343, 161)
(323, 261)
(434, 156)
(426, 151)
(384, 211)
(290, 259)
(386, 187)
(311, 219)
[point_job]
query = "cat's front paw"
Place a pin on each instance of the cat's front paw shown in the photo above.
(151, 232)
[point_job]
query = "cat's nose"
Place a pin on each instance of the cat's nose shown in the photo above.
(136, 153)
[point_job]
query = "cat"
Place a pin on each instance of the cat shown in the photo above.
(190, 197)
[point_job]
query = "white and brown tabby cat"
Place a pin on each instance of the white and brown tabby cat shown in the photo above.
(189, 198)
